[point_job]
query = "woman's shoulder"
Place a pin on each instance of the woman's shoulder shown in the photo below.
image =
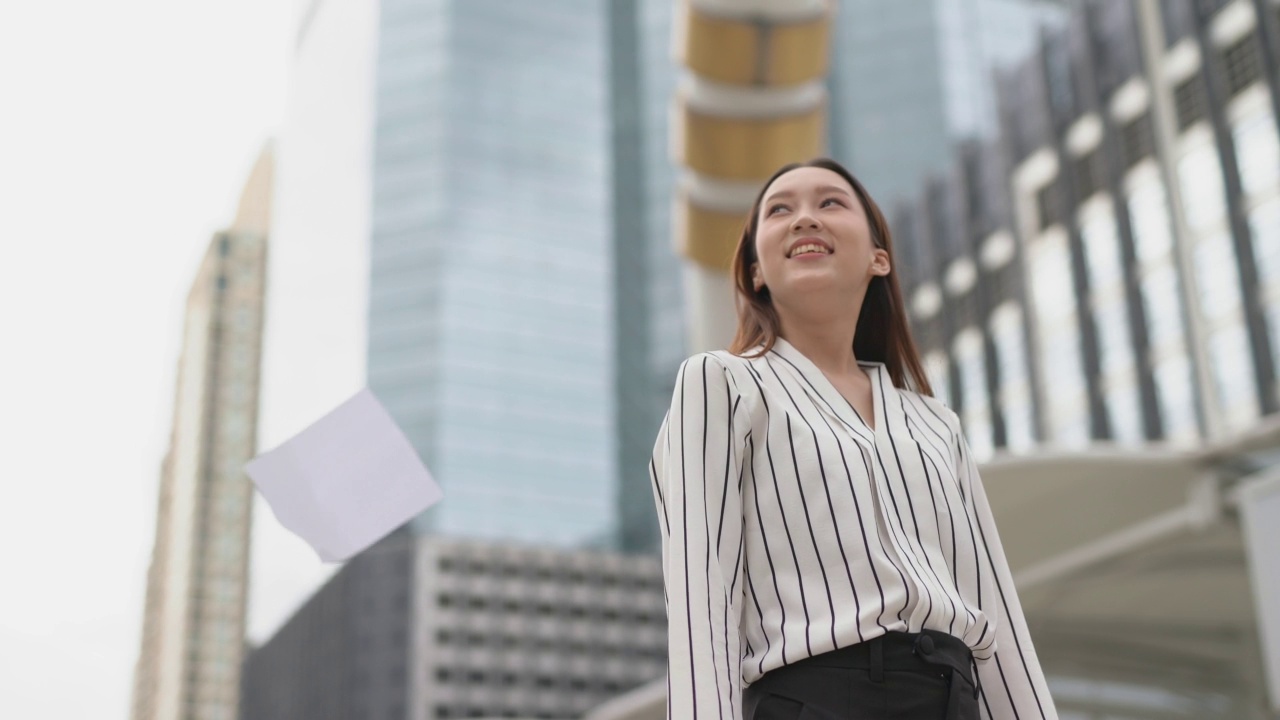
(931, 405)
(736, 369)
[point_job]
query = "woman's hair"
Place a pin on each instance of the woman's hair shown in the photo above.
(882, 334)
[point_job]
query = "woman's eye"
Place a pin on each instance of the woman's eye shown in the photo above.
(834, 201)
(773, 210)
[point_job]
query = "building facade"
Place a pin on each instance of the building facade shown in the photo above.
(909, 79)
(193, 626)
(425, 627)
(1105, 271)
(490, 310)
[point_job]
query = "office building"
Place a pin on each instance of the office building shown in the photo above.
(491, 310)
(193, 627)
(1106, 270)
(426, 627)
(909, 79)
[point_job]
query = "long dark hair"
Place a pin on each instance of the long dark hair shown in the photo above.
(882, 335)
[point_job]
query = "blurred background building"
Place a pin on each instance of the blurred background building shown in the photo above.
(1084, 197)
(910, 79)
(429, 627)
(194, 618)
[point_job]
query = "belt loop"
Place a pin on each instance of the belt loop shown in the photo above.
(877, 660)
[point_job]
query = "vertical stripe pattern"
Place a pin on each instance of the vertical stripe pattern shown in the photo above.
(791, 527)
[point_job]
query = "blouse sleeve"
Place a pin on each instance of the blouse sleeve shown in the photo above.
(696, 471)
(1013, 684)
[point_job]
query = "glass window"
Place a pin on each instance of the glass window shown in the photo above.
(1052, 291)
(1115, 344)
(935, 366)
(1011, 354)
(1176, 397)
(1162, 303)
(973, 386)
(1124, 410)
(1149, 215)
(1203, 196)
(1011, 347)
(1232, 370)
(1257, 152)
(1217, 276)
(1102, 250)
(1264, 226)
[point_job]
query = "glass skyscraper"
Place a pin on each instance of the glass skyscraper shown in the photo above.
(490, 314)
(908, 79)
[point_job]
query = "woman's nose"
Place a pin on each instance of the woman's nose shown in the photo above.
(805, 221)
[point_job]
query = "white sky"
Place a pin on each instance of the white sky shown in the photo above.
(127, 130)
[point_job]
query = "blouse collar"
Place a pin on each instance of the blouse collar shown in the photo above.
(817, 385)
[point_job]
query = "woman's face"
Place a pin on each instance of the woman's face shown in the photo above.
(813, 234)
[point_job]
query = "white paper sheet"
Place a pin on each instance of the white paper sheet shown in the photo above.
(347, 481)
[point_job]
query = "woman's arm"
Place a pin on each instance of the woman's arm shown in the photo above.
(1013, 684)
(696, 471)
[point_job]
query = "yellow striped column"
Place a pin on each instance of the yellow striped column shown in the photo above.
(751, 98)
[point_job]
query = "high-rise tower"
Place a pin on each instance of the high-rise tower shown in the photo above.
(193, 628)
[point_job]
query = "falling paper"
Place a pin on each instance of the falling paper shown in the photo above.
(347, 481)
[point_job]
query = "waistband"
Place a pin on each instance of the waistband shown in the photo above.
(926, 651)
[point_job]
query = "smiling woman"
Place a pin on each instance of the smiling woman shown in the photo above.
(828, 548)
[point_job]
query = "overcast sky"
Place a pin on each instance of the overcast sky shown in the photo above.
(127, 131)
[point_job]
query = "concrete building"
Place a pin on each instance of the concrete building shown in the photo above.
(193, 627)
(426, 627)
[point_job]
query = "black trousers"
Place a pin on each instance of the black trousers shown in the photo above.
(899, 676)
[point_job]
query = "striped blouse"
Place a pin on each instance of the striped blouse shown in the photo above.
(791, 528)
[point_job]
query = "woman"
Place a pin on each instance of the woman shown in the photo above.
(827, 544)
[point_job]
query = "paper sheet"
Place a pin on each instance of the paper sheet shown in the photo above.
(347, 481)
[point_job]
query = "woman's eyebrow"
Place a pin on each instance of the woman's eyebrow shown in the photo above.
(821, 189)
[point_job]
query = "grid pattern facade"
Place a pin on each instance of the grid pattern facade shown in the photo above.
(424, 628)
(1141, 207)
(490, 318)
(193, 626)
(528, 633)
(908, 79)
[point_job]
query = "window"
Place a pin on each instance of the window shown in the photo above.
(936, 367)
(1124, 410)
(1241, 65)
(1176, 398)
(1089, 174)
(1217, 276)
(1257, 153)
(1190, 103)
(1049, 206)
(973, 385)
(1264, 226)
(1162, 304)
(1137, 139)
(1232, 370)
(1203, 196)
(1011, 355)
(1102, 250)
(1114, 342)
(1149, 217)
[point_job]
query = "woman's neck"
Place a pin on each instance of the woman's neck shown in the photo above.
(826, 341)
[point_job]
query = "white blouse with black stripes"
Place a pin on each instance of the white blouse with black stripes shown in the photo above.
(791, 528)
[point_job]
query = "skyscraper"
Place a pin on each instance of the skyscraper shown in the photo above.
(909, 79)
(193, 627)
(490, 318)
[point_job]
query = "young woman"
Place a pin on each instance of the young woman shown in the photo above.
(828, 549)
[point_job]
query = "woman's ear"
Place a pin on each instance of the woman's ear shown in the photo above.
(880, 262)
(757, 281)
